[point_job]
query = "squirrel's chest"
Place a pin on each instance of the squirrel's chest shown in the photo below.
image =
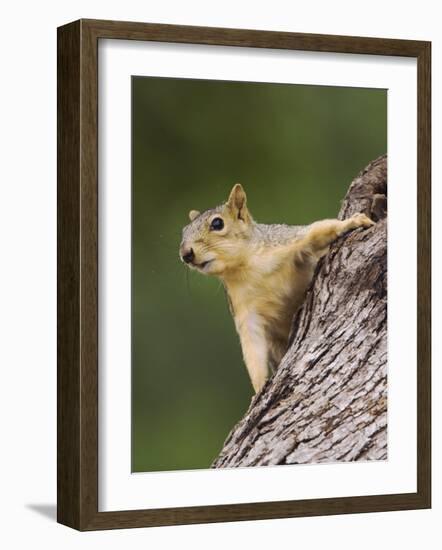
(271, 296)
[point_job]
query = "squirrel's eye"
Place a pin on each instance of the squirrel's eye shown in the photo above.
(217, 224)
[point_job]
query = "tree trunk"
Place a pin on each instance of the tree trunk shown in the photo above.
(327, 400)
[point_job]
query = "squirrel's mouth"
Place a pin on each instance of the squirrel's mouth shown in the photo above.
(203, 265)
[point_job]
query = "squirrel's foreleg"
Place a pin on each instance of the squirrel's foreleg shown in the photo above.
(255, 350)
(321, 234)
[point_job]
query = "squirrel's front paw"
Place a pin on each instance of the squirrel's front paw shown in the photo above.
(361, 220)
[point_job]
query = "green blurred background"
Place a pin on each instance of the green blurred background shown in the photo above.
(295, 149)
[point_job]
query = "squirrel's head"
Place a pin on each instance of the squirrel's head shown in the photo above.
(215, 241)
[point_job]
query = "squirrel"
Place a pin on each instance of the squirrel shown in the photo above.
(265, 270)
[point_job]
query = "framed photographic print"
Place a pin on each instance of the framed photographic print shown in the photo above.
(239, 336)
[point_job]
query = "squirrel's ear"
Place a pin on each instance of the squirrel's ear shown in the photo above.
(237, 200)
(193, 214)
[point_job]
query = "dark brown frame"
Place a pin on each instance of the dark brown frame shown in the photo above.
(77, 459)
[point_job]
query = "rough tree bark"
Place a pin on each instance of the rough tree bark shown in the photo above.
(327, 400)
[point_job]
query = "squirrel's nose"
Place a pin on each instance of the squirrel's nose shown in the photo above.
(188, 256)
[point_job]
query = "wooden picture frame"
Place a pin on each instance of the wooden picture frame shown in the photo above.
(77, 461)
